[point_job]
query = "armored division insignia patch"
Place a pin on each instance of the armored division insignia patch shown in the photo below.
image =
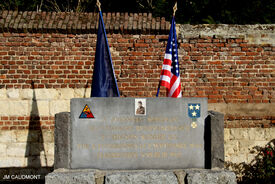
(86, 112)
(194, 110)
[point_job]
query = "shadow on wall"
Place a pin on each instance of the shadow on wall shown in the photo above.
(37, 164)
(35, 150)
(260, 170)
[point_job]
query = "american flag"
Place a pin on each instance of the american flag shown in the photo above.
(170, 74)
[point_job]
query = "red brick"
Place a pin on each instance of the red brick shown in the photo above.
(141, 45)
(5, 128)
(4, 118)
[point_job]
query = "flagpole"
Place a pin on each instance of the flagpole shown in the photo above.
(174, 13)
(106, 41)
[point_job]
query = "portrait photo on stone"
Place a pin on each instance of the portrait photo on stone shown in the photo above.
(140, 107)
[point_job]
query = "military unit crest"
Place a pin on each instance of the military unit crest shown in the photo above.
(86, 112)
(194, 112)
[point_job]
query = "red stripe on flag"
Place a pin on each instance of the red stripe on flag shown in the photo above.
(177, 92)
(173, 80)
(165, 84)
(167, 62)
(177, 88)
(166, 72)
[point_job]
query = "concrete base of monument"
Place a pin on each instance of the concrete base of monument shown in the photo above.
(186, 176)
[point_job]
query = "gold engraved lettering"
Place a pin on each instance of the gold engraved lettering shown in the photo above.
(83, 146)
(117, 155)
(153, 137)
(93, 146)
(172, 137)
(174, 154)
(160, 128)
(124, 137)
(154, 155)
(195, 145)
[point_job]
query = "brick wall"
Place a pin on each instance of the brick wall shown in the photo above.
(232, 65)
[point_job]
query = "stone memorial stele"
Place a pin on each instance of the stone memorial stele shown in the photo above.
(137, 133)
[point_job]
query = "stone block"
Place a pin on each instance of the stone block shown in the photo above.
(13, 93)
(49, 148)
(34, 149)
(238, 158)
(238, 133)
(82, 93)
(36, 161)
(3, 148)
(257, 134)
(270, 133)
(12, 161)
(118, 138)
(47, 160)
(24, 136)
(43, 108)
(218, 107)
(66, 93)
(87, 92)
(79, 177)
(194, 176)
(16, 149)
(18, 108)
(79, 93)
(160, 177)
(57, 106)
(26, 94)
(246, 145)
(6, 136)
(231, 147)
(62, 139)
(251, 109)
(48, 136)
(46, 94)
(21, 136)
(5, 107)
(214, 140)
(226, 134)
(187, 176)
(3, 94)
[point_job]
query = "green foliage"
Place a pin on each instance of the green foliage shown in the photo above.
(189, 11)
(19, 5)
(261, 169)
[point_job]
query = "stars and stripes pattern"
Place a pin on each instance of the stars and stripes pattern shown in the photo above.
(170, 74)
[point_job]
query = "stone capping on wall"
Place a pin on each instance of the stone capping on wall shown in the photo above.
(254, 34)
(72, 22)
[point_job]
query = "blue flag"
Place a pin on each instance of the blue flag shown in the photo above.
(104, 81)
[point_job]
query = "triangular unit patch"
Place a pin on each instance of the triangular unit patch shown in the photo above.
(86, 112)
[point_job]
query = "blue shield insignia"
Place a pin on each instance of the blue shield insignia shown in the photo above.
(194, 110)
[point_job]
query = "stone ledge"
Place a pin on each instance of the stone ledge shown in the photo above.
(187, 176)
(254, 34)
